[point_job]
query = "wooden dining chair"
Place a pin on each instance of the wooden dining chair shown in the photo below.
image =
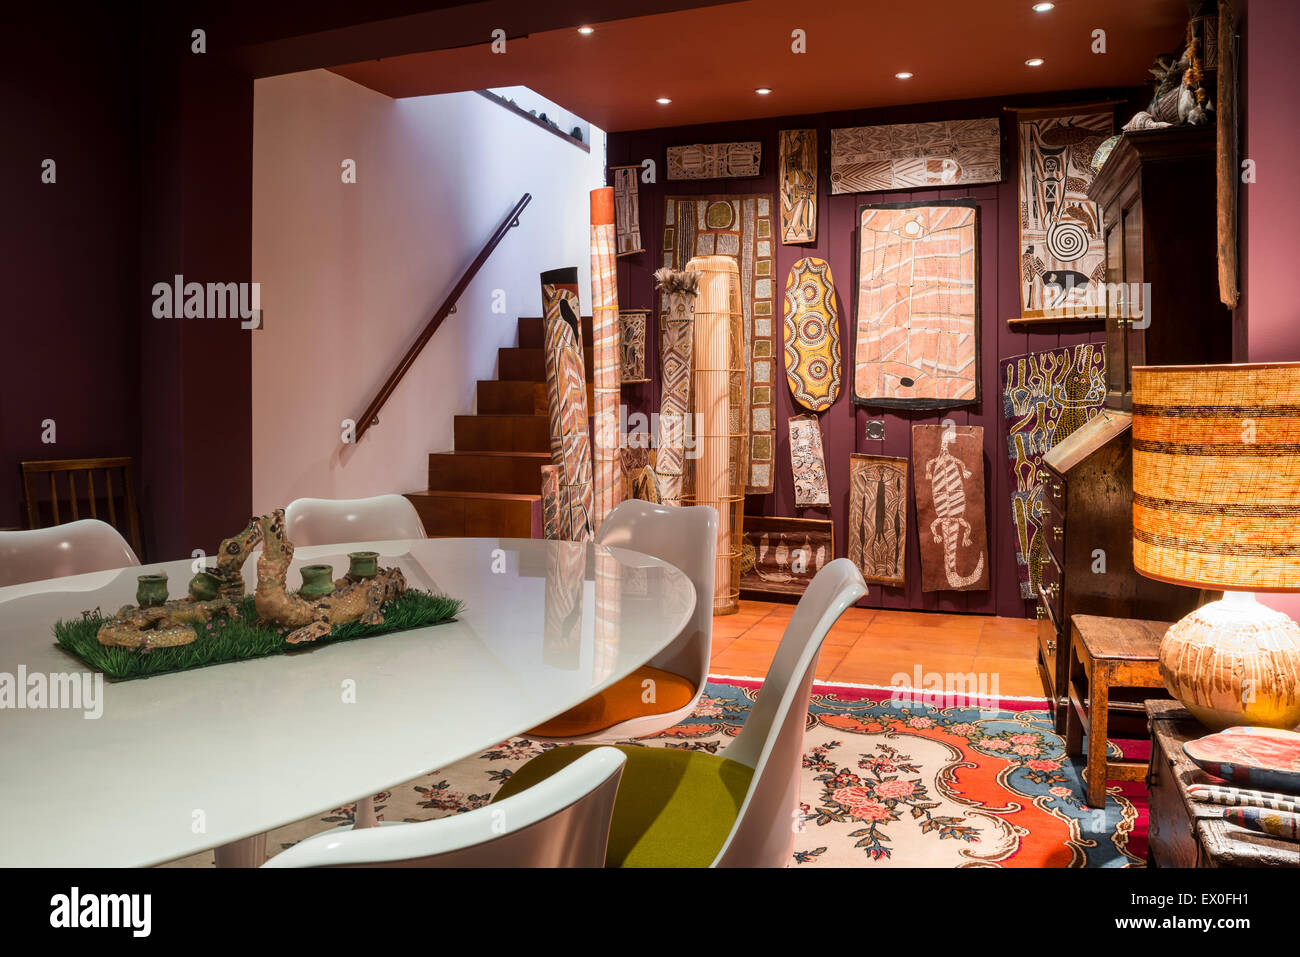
(680, 808)
(686, 537)
(563, 822)
(100, 499)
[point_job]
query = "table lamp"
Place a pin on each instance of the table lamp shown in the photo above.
(1216, 504)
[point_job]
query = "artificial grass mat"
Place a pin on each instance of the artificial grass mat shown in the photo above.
(239, 637)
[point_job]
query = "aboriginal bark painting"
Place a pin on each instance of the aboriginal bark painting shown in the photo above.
(798, 184)
(566, 395)
(631, 343)
(551, 502)
(917, 328)
(878, 517)
(607, 358)
(916, 155)
(780, 556)
(639, 479)
(948, 475)
(627, 211)
(739, 227)
(812, 335)
(1062, 250)
(807, 462)
(679, 290)
(715, 160)
(1045, 397)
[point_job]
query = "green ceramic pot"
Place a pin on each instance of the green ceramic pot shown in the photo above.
(204, 586)
(317, 581)
(152, 590)
(363, 565)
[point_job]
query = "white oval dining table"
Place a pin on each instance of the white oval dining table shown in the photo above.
(214, 756)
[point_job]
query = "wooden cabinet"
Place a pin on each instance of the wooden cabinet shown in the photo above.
(1087, 560)
(1156, 193)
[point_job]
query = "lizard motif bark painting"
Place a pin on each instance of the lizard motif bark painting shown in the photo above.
(949, 489)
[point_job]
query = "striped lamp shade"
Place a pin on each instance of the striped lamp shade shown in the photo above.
(1216, 475)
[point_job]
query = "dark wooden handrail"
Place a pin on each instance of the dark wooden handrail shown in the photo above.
(369, 417)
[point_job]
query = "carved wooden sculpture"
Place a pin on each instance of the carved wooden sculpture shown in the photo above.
(566, 393)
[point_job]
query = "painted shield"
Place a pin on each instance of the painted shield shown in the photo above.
(812, 335)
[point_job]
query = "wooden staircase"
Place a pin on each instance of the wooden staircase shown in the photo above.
(490, 484)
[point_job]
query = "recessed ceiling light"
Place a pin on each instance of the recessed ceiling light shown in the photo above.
(588, 31)
(1043, 7)
(1034, 61)
(903, 76)
(763, 90)
(663, 100)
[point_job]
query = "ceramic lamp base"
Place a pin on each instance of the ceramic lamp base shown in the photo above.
(1235, 662)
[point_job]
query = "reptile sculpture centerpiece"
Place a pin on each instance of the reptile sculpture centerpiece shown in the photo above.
(353, 599)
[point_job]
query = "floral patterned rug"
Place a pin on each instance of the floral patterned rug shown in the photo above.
(888, 780)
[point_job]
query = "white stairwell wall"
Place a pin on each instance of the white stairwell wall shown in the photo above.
(351, 272)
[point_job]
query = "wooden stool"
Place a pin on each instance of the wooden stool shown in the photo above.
(1111, 653)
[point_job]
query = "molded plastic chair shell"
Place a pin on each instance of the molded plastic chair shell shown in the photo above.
(771, 742)
(61, 550)
(687, 538)
(324, 521)
(561, 822)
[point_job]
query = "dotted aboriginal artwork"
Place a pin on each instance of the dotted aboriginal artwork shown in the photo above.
(812, 335)
(739, 227)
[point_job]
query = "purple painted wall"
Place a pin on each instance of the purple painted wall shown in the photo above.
(844, 425)
(1269, 314)
(68, 249)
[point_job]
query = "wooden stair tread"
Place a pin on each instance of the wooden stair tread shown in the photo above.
(500, 496)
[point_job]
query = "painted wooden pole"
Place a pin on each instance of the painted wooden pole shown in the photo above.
(607, 361)
(566, 399)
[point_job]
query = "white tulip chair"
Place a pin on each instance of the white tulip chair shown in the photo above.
(680, 808)
(563, 822)
(61, 550)
(686, 538)
(324, 521)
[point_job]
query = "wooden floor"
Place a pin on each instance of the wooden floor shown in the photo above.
(869, 646)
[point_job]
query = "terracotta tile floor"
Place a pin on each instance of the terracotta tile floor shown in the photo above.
(871, 646)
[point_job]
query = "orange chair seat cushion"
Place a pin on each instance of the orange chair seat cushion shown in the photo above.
(621, 701)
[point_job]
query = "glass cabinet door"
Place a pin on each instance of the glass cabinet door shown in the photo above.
(1115, 365)
(1135, 338)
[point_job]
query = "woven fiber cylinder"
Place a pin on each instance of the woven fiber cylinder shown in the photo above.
(1216, 475)
(679, 290)
(719, 399)
(566, 400)
(607, 360)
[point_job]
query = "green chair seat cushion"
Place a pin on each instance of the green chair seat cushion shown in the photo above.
(674, 807)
